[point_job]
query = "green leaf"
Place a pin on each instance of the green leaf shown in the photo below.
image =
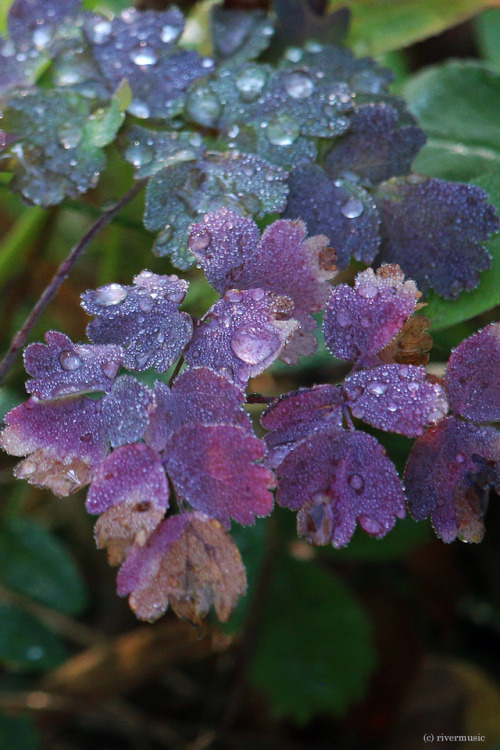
(405, 536)
(386, 25)
(488, 35)
(33, 562)
(457, 105)
(17, 732)
(445, 313)
(25, 644)
(314, 653)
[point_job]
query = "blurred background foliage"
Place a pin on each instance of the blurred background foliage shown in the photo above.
(371, 646)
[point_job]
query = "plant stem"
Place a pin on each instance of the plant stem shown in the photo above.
(63, 271)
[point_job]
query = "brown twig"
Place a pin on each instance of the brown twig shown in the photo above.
(63, 271)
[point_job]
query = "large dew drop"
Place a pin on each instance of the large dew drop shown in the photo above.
(69, 361)
(353, 208)
(139, 154)
(283, 131)
(144, 55)
(101, 31)
(299, 86)
(250, 83)
(112, 294)
(169, 34)
(203, 107)
(253, 345)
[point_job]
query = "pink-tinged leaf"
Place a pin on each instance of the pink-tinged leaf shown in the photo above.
(359, 322)
(126, 409)
(65, 442)
(298, 414)
(448, 476)
(337, 478)
(472, 377)
(436, 231)
(199, 396)
(130, 489)
(61, 368)
(189, 562)
(283, 261)
(242, 334)
(143, 318)
(216, 469)
(396, 398)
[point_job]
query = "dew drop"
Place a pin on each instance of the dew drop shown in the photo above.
(110, 369)
(146, 303)
(250, 83)
(144, 55)
(391, 406)
(142, 359)
(139, 154)
(34, 653)
(203, 107)
(434, 415)
(139, 109)
(101, 31)
(283, 131)
(376, 388)
(353, 208)
(357, 482)
(460, 458)
(200, 241)
(70, 135)
(294, 54)
(343, 320)
(253, 345)
(169, 34)
(41, 37)
(299, 86)
(112, 294)
(374, 528)
(368, 292)
(70, 361)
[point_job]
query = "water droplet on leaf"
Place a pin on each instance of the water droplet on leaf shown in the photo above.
(203, 107)
(112, 294)
(376, 388)
(144, 55)
(299, 86)
(252, 345)
(250, 83)
(357, 482)
(169, 33)
(353, 208)
(283, 131)
(70, 135)
(69, 361)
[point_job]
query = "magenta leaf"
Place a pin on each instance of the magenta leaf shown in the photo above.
(444, 223)
(448, 476)
(65, 442)
(216, 469)
(189, 562)
(143, 318)
(472, 377)
(126, 409)
(396, 398)
(233, 255)
(339, 209)
(61, 368)
(338, 478)
(359, 322)
(379, 144)
(297, 415)
(131, 492)
(242, 334)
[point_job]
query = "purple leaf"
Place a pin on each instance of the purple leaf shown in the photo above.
(377, 145)
(38, 17)
(238, 34)
(444, 223)
(472, 377)
(126, 409)
(233, 255)
(189, 562)
(143, 318)
(65, 442)
(396, 398)
(141, 48)
(448, 476)
(342, 211)
(297, 415)
(61, 368)
(242, 334)
(337, 478)
(215, 468)
(130, 489)
(359, 322)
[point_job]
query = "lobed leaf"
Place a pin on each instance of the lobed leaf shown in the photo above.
(448, 476)
(396, 398)
(189, 562)
(444, 223)
(216, 469)
(143, 318)
(242, 334)
(472, 377)
(61, 368)
(239, 35)
(360, 322)
(64, 441)
(339, 209)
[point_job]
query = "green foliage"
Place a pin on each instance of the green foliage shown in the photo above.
(17, 732)
(26, 645)
(457, 106)
(34, 563)
(314, 651)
